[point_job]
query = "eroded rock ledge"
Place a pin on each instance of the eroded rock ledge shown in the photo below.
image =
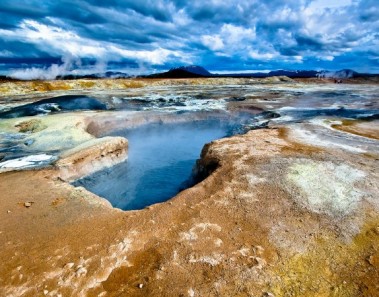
(91, 156)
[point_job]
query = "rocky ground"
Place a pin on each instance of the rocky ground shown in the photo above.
(288, 210)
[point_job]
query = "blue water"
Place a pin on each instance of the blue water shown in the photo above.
(160, 162)
(162, 156)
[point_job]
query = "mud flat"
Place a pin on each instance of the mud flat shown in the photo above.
(287, 210)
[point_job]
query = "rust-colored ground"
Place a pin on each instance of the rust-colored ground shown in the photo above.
(362, 128)
(241, 232)
(278, 215)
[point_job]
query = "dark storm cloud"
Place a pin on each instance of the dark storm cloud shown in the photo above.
(369, 11)
(29, 50)
(312, 44)
(218, 34)
(77, 12)
(157, 9)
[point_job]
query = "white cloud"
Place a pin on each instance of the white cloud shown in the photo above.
(323, 4)
(230, 39)
(327, 58)
(294, 59)
(64, 42)
(235, 34)
(213, 42)
(262, 56)
(180, 18)
(315, 32)
(157, 56)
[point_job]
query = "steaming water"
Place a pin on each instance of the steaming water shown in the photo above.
(160, 162)
(161, 156)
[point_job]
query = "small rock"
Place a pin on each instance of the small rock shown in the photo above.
(29, 142)
(8, 211)
(69, 265)
(371, 260)
(28, 204)
(116, 100)
(268, 294)
(140, 286)
(31, 126)
(258, 250)
(258, 262)
(45, 292)
(80, 271)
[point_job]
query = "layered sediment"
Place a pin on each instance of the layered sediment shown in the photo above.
(290, 210)
(92, 156)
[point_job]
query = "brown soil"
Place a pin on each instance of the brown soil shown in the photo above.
(240, 232)
(368, 129)
(258, 225)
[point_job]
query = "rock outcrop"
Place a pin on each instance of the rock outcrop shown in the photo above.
(92, 156)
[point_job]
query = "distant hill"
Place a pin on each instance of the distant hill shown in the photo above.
(6, 78)
(116, 74)
(344, 73)
(288, 73)
(198, 71)
(108, 74)
(192, 71)
(195, 70)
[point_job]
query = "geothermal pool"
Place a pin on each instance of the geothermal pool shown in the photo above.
(162, 156)
(160, 161)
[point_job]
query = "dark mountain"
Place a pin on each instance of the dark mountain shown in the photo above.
(288, 73)
(183, 72)
(77, 76)
(198, 71)
(108, 74)
(294, 74)
(115, 74)
(6, 78)
(195, 70)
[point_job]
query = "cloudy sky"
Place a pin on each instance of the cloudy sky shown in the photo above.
(217, 34)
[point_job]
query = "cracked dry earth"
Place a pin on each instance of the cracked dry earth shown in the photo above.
(280, 214)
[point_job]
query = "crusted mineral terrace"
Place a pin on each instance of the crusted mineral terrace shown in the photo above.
(290, 209)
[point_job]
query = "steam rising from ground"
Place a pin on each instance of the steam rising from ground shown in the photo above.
(70, 65)
(160, 162)
(74, 66)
